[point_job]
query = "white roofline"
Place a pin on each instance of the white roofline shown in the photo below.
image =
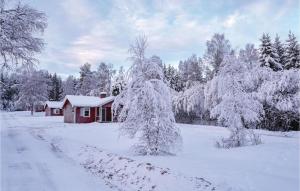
(97, 103)
(53, 102)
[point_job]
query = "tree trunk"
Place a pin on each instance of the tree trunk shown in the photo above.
(31, 109)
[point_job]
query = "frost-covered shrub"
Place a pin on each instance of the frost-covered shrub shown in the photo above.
(281, 99)
(232, 104)
(189, 104)
(144, 106)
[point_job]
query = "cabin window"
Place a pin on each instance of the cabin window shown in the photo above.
(85, 112)
(56, 111)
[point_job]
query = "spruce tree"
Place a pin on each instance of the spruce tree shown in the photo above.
(278, 46)
(56, 90)
(292, 52)
(268, 56)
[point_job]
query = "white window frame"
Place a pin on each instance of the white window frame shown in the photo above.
(83, 110)
(56, 111)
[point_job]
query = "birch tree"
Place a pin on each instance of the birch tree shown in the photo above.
(146, 109)
(19, 35)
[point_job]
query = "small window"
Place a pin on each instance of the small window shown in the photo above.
(85, 112)
(56, 111)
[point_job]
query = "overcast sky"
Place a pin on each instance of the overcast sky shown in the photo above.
(93, 31)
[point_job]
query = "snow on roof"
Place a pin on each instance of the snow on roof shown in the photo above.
(54, 104)
(87, 101)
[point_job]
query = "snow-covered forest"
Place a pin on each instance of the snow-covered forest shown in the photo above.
(257, 87)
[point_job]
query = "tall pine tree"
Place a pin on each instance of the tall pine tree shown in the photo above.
(268, 56)
(56, 90)
(292, 52)
(278, 46)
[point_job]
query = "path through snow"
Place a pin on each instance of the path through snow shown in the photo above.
(28, 164)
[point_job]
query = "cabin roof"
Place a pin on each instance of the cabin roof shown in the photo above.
(54, 104)
(87, 101)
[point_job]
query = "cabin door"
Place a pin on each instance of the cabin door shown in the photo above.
(105, 114)
(108, 114)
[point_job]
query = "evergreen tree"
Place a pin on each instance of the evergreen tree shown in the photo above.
(8, 91)
(268, 55)
(278, 46)
(292, 52)
(119, 82)
(173, 78)
(56, 90)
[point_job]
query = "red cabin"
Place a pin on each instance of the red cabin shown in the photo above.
(87, 109)
(53, 108)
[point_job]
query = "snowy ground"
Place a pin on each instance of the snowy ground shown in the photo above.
(43, 153)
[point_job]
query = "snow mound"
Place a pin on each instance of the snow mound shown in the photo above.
(126, 174)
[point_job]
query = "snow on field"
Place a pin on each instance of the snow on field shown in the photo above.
(274, 165)
(29, 165)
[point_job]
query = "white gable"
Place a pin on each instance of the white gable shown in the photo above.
(54, 104)
(87, 101)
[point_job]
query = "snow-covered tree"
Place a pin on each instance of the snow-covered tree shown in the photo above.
(268, 55)
(69, 86)
(104, 77)
(145, 105)
(216, 49)
(236, 108)
(119, 82)
(249, 55)
(189, 104)
(190, 70)
(173, 78)
(8, 91)
(292, 52)
(280, 95)
(280, 51)
(33, 89)
(19, 41)
(55, 89)
(87, 81)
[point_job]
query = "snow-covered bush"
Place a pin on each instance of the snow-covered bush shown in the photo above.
(189, 103)
(145, 105)
(281, 98)
(234, 107)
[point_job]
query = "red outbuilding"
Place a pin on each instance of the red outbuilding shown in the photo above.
(53, 108)
(87, 109)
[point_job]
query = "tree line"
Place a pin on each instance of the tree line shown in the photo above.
(270, 72)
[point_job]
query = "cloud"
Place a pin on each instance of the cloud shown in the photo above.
(95, 31)
(231, 20)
